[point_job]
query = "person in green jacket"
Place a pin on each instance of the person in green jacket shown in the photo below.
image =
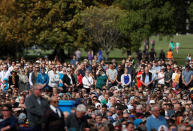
(101, 79)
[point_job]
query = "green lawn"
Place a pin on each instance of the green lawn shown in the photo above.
(186, 47)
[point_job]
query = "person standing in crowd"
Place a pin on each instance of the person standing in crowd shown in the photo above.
(155, 120)
(153, 44)
(10, 122)
(53, 118)
(29, 68)
(36, 105)
(139, 74)
(90, 56)
(100, 56)
(162, 55)
(23, 80)
(176, 78)
(14, 79)
(68, 81)
(170, 54)
(43, 79)
(53, 78)
(131, 71)
(120, 71)
(10, 69)
(177, 47)
(101, 79)
(125, 79)
(187, 77)
(139, 56)
(171, 45)
(77, 121)
(146, 45)
(33, 76)
(5, 85)
(161, 76)
(61, 77)
(79, 78)
(87, 81)
(4, 73)
(78, 54)
(168, 76)
(147, 79)
(74, 60)
(112, 76)
(188, 57)
(152, 54)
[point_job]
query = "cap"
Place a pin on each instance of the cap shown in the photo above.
(5, 79)
(152, 102)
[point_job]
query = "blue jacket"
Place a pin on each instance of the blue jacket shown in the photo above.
(11, 121)
(155, 123)
(42, 79)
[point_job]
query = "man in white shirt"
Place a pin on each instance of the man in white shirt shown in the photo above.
(87, 81)
(112, 75)
(4, 73)
(12, 66)
(53, 78)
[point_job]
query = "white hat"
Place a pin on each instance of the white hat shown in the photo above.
(139, 107)
(130, 107)
(152, 102)
(98, 104)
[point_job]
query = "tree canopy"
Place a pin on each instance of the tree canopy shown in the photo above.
(56, 24)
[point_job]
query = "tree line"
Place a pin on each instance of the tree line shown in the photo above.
(89, 24)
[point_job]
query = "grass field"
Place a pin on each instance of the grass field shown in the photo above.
(186, 46)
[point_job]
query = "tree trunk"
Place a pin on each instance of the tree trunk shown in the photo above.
(59, 53)
(106, 55)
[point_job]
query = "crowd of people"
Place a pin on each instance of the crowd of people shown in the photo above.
(150, 94)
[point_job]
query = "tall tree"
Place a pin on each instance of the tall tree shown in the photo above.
(100, 26)
(148, 17)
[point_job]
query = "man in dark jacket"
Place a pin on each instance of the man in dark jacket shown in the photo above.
(68, 81)
(53, 118)
(147, 79)
(168, 76)
(131, 71)
(36, 106)
(10, 122)
(77, 121)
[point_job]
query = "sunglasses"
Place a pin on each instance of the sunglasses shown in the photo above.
(5, 110)
(55, 101)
